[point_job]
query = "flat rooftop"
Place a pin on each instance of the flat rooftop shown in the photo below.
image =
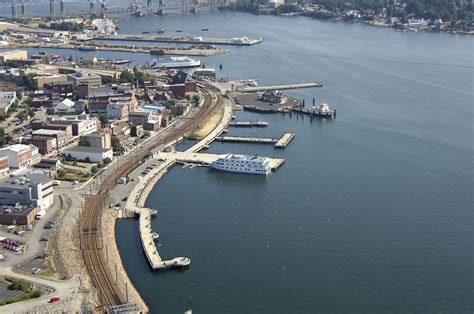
(87, 149)
(9, 210)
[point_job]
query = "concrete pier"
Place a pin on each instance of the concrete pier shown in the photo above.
(180, 39)
(206, 159)
(285, 140)
(248, 124)
(252, 89)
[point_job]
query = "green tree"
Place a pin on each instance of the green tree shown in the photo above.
(118, 149)
(146, 134)
(107, 160)
(94, 169)
(104, 119)
(196, 98)
(4, 138)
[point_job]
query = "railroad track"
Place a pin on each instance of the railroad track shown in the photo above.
(91, 237)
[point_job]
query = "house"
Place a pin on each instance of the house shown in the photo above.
(118, 110)
(19, 155)
(66, 107)
(89, 154)
(275, 97)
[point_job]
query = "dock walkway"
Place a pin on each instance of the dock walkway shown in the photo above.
(278, 143)
(279, 87)
(248, 124)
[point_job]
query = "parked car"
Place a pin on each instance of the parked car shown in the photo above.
(35, 271)
(44, 239)
(54, 299)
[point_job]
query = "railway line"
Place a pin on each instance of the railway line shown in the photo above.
(91, 240)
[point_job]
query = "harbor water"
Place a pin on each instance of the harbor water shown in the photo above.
(371, 212)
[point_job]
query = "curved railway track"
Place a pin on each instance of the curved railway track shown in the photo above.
(91, 240)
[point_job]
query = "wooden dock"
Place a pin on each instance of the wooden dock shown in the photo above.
(278, 143)
(242, 139)
(279, 87)
(285, 140)
(180, 39)
(248, 124)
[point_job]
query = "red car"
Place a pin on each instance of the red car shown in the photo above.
(54, 299)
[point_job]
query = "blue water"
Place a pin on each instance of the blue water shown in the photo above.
(371, 212)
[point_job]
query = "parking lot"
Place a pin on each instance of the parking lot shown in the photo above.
(7, 294)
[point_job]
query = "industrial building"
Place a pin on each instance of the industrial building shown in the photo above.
(18, 214)
(12, 55)
(90, 154)
(29, 189)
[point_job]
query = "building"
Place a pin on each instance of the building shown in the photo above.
(19, 155)
(43, 80)
(185, 78)
(99, 140)
(29, 189)
(61, 137)
(18, 214)
(44, 144)
(57, 126)
(35, 155)
(6, 100)
(66, 107)
(89, 154)
(12, 55)
(88, 78)
(118, 110)
(4, 168)
(80, 127)
(62, 89)
(275, 97)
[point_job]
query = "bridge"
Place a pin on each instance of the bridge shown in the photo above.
(102, 7)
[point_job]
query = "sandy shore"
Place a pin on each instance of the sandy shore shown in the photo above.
(203, 130)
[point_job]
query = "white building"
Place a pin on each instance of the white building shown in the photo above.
(91, 154)
(29, 189)
(6, 100)
(19, 155)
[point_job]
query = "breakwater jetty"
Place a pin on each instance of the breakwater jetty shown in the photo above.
(240, 41)
(252, 89)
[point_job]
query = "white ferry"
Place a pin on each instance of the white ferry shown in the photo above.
(243, 164)
(322, 110)
(176, 62)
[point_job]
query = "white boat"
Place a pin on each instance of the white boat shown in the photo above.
(243, 164)
(322, 110)
(155, 236)
(176, 62)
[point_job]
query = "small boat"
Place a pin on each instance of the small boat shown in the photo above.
(322, 110)
(179, 30)
(205, 29)
(138, 14)
(155, 236)
(145, 32)
(160, 30)
(220, 66)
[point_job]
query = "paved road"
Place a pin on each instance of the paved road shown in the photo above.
(62, 289)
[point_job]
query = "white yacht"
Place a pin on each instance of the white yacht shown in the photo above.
(243, 164)
(176, 62)
(322, 110)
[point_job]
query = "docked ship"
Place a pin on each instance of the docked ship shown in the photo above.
(243, 164)
(322, 110)
(176, 62)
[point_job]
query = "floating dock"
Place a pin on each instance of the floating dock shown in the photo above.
(251, 89)
(181, 39)
(248, 124)
(285, 140)
(279, 143)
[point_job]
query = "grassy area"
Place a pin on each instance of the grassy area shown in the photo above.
(21, 285)
(193, 136)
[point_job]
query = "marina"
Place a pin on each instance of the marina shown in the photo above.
(236, 41)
